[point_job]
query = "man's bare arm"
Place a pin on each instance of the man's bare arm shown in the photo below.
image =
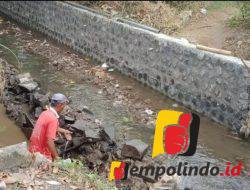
(52, 148)
(66, 133)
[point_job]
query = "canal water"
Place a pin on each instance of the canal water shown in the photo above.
(214, 143)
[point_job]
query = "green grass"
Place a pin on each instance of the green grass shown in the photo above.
(242, 18)
(217, 5)
(80, 175)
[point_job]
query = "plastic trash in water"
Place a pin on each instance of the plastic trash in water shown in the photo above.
(204, 11)
(53, 182)
(175, 105)
(104, 65)
(149, 112)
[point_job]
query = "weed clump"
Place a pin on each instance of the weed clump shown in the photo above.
(242, 19)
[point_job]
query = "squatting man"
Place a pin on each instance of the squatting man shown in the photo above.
(46, 127)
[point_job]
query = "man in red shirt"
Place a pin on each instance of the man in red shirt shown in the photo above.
(44, 132)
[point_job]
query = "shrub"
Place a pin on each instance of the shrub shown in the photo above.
(243, 18)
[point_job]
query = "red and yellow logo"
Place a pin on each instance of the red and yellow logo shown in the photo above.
(117, 171)
(176, 133)
(176, 130)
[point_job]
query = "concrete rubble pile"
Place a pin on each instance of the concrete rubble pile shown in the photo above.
(24, 101)
(91, 142)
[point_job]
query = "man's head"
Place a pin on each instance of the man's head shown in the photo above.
(59, 101)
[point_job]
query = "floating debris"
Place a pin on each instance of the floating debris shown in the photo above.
(175, 105)
(104, 65)
(149, 112)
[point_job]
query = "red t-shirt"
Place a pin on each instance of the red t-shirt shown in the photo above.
(45, 127)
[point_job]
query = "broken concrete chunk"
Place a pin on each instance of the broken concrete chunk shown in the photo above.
(23, 78)
(30, 123)
(16, 155)
(83, 108)
(85, 149)
(135, 149)
(91, 131)
(69, 120)
(77, 141)
(38, 111)
(26, 82)
(41, 100)
(80, 125)
(12, 80)
(29, 86)
(108, 133)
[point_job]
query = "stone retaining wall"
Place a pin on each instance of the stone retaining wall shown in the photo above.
(212, 84)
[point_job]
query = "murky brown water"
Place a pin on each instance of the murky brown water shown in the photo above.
(9, 132)
(214, 144)
(213, 136)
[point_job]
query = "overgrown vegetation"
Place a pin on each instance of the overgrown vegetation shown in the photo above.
(74, 171)
(166, 16)
(242, 19)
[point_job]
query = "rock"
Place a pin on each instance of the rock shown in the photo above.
(26, 82)
(80, 125)
(29, 86)
(22, 78)
(90, 129)
(108, 133)
(40, 159)
(21, 120)
(135, 149)
(29, 121)
(41, 100)
(93, 160)
(85, 149)
(69, 120)
(77, 141)
(12, 80)
(14, 155)
(92, 133)
(2, 185)
(166, 182)
(8, 109)
(84, 109)
(60, 141)
(38, 111)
